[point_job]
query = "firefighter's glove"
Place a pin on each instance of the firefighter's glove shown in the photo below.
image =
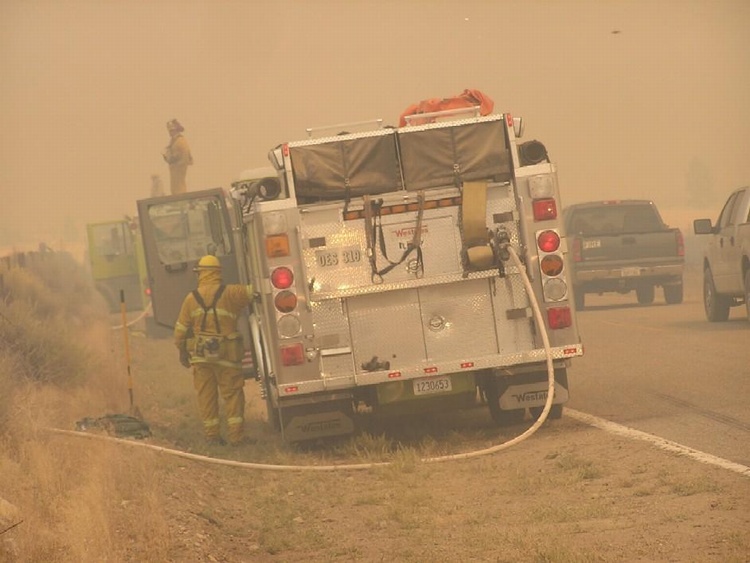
(184, 357)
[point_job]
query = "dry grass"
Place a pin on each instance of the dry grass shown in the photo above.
(570, 494)
(76, 501)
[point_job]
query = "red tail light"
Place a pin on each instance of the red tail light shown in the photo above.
(680, 243)
(282, 278)
(293, 355)
(548, 241)
(544, 209)
(559, 317)
(576, 250)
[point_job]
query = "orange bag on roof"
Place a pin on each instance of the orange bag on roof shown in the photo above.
(466, 99)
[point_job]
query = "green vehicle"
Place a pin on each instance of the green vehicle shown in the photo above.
(115, 252)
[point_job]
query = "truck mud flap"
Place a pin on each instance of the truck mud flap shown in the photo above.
(312, 421)
(530, 391)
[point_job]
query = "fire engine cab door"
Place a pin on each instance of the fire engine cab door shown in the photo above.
(177, 231)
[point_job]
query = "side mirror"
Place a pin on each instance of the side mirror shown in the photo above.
(267, 188)
(702, 227)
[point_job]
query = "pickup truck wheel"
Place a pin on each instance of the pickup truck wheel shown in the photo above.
(673, 293)
(747, 293)
(715, 305)
(645, 294)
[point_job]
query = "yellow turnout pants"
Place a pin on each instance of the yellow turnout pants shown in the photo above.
(211, 380)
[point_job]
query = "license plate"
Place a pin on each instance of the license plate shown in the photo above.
(432, 385)
(630, 272)
(588, 244)
(345, 256)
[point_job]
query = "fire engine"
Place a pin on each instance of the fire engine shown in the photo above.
(381, 263)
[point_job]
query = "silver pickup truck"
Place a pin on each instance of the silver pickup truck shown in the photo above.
(726, 260)
(622, 246)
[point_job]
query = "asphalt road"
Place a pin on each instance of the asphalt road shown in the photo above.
(665, 370)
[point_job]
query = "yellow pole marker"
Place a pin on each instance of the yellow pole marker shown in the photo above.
(133, 410)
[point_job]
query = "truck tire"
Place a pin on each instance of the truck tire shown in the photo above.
(501, 417)
(673, 293)
(715, 305)
(555, 412)
(645, 294)
(747, 293)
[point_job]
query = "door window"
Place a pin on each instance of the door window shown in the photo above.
(182, 230)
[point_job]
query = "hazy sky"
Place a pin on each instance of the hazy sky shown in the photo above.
(633, 98)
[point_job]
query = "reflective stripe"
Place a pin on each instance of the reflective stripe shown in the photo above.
(210, 422)
(235, 420)
(180, 327)
(225, 363)
(220, 312)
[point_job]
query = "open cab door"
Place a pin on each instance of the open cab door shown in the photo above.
(177, 231)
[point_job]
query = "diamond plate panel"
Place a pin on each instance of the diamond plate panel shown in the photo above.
(440, 243)
(458, 320)
(513, 335)
(339, 367)
(327, 268)
(331, 324)
(387, 325)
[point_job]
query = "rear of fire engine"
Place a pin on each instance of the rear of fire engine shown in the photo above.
(381, 260)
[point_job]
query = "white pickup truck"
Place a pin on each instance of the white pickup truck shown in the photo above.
(726, 261)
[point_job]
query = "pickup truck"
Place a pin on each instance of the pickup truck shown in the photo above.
(726, 260)
(622, 246)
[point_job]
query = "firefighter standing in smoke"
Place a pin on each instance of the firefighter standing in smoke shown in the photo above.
(177, 155)
(206, 335)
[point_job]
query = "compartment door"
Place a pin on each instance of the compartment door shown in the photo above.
(387, 326)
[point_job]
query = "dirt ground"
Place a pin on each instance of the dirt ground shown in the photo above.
(568, 493)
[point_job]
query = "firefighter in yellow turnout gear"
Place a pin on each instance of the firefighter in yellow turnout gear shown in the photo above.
(178, 156)
(206, 335)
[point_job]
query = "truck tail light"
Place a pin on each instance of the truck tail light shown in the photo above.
(292, 355)
(277, 246)
(548, 241)
(680, 243)
(285, 301)
(552, 265)
(282, 278)
(544, 209)
(557, 317)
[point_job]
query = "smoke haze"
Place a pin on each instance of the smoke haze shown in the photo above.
(636, 98)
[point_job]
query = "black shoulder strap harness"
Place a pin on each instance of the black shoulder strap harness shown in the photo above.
(202, 303)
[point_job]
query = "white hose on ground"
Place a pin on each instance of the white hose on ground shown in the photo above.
(135, 320)
(358, 466)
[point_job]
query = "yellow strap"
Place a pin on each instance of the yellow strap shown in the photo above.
(474, 213)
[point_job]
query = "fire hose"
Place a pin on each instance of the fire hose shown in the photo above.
(135, 320)
(359, 466)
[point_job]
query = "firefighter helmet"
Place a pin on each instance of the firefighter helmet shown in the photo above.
(174, 125)
(208, 262)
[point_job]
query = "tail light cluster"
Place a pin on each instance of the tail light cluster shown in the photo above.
(285, 299)
(554, 286)
(549, 247)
